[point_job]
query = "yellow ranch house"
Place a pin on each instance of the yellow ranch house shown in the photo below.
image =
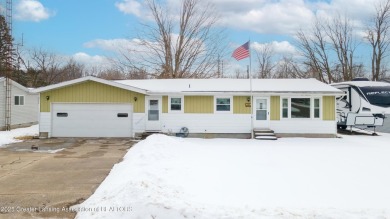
(94, 107)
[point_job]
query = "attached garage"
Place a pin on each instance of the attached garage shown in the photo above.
(91, 120)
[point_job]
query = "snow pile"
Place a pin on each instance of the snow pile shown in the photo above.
(168, 177)
(8, 137)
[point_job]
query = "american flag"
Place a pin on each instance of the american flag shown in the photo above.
(241, 52)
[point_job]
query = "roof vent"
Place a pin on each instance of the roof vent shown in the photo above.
(360, 79)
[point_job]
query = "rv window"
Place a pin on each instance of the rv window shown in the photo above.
(62, 114)
(379, 96)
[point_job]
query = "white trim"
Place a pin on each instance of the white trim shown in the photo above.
(24, 100)
(153, 125)
(182, 104)
(88, 78)
(320, 107)
(311, 107)
(261, 123)
(225, 97)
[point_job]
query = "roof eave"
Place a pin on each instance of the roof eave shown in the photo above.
(202, 93)
(87, 78)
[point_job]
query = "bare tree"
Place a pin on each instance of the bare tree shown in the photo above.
(378, 37)
(184, 46)
(71, 70)
(326, 40)
(340, 32)
(264, 57)
(288, 68)
(47, 67)
(314, 49)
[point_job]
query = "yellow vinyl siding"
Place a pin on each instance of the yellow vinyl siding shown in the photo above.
(165, 104)
(328, 108)
(275, 107)
(92, 92)
(198, 104)
(239, 105)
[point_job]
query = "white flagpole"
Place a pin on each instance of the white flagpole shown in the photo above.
(250, 86)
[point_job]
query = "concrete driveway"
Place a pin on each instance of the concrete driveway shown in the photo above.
(42, 184)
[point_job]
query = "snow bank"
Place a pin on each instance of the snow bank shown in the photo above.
(168, 177)
(8, 137)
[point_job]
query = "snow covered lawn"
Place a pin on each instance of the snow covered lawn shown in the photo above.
(168, 177)
(8, 137)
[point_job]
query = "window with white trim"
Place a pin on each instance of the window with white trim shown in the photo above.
(316, 108)
(223, 104)
(300, 108)
(176, 104)
(19, 100)
(284, 108)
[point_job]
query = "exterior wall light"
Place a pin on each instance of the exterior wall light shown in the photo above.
(47, 97)
(135, 99)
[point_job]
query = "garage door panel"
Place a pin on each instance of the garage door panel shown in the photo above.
(91, 120)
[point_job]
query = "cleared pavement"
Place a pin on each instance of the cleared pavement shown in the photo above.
(40, 184)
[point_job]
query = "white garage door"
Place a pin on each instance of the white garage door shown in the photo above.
(91, 120)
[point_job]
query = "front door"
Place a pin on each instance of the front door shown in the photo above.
(261, 112)
(153, 106)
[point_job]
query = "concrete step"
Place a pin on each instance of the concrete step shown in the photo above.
(262, 130)
(264, 134)
(266, 138)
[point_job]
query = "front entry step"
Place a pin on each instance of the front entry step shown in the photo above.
(266, 138)
(264, 134)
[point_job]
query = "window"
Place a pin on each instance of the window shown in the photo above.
(19, 100)
(300, 107)
(284, 108)
(175, 104)
(223, 104)
(62, 114)
(154, 113)
(123, 115)
(316, 108)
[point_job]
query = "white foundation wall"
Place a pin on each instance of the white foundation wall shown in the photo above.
(241, 123)
(45, 122)
(301, 126)
(207, 123)
(139, 121)
(216, 123)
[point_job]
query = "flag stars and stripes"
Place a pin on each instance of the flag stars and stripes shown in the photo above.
(241, 52)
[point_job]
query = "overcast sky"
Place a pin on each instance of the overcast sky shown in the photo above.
(90, 29)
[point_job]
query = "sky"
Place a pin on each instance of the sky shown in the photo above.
(90, 30)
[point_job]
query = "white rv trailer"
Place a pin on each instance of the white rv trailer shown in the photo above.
(365, 103)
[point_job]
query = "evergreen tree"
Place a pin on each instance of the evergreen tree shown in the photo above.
(5, 42)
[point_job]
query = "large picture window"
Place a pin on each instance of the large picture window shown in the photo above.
(223, 104)
(300, 107)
